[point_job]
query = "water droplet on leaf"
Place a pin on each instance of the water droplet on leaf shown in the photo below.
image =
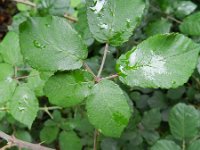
(98, 6)
(38, 45)
(103, 26)
(21, 108)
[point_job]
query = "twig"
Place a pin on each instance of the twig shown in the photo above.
(111, 77)
(174, 19)
(50, 108)
(89, 69)
(96, 134)
(24, 77)
(70, 18)
(22, 144)
(15, 71)
(103, 60)
(26, 2)
(166, 15)
(46, 109)
(9, 145)
(3, 109)
(183, 145)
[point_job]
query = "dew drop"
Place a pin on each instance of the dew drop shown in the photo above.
(47, 25)
(9, 79)
(173, 82)
(128, 22)
(98, 6)
(103, 26)
(21, 108)
(38, 45)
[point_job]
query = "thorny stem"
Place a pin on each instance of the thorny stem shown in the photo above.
(26, 2)
(96, 134)
(103, 60)
(12, 141)
(70, 18)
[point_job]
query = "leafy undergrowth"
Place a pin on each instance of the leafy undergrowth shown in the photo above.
(109, 75)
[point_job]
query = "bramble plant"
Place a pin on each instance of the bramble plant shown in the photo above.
(94, 75)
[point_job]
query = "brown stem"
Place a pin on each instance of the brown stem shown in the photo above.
(15, 72)
(46, 109)
(26, 2)
(103, 60)
(70, 18)
(22, 144)
(174, 19)
(89, 69)
(96, 134)
(24, 77)
(111, 77)
(166, 15)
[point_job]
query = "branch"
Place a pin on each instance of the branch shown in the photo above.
(24, 77)
(96, 134)
(70, 18)
(174, 19)
(166, 15)
(22, 144)
(111, 77)
(89, 69)
(26, 2)
(103, 60)
(46, 109)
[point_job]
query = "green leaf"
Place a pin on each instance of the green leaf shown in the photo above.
(110, 21)
(159, 26)
(46, 45)
(156, 62)
(75, 3)
(175, 94)
(158, 100)
(23, 135)
(82, 26)
(7, 72)
(1, 58)
(11, 52)
(184, 121)
(23, 105)
(17, 20)
(70, 141)
(23, 7)
(184, 8)
(7, 89)
(151, 119)
(54, 7)
(191, 25)
(107, 108)
(165, 145)
(48, 134)
(150, 136)
(194, 145)
(69, 89)
(36, 83)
